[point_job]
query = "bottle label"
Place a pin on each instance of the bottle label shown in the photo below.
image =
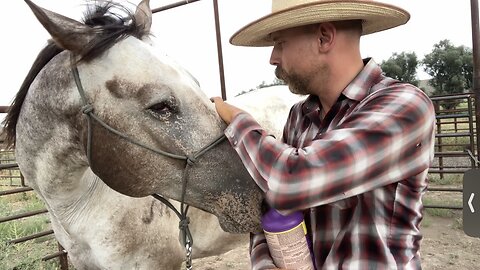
(289, 249)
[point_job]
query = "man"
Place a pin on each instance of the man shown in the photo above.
(355, 154)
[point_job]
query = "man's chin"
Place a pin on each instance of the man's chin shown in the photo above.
(296, 91)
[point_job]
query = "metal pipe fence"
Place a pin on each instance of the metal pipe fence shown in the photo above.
(456, 133)
(28, 214)
(455, 145)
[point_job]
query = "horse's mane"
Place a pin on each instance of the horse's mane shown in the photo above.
(112, 28)
(10, 121)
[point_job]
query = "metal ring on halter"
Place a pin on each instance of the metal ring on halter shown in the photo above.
(188, 256)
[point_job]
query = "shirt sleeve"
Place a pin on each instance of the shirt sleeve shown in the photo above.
(388, 137)
(260, 258)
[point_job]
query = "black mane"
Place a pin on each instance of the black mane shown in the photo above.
(112, 28)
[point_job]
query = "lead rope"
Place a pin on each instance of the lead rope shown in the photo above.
(185, 236)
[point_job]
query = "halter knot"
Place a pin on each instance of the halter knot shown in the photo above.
(183, 224)
(191, 160)
(86, 109)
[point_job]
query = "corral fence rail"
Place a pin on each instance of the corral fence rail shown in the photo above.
(9, 171)
(455, 140)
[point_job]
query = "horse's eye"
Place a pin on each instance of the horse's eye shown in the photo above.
(163, 109)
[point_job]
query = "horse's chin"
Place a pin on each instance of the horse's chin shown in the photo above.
(234, 226)
(237, 215)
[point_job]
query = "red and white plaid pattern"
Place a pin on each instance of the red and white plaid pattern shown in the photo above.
(359, 175)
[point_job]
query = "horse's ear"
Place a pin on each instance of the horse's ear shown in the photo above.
(143, 15)
(67, 33)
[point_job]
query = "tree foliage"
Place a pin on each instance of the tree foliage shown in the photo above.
(263, 84)
(402, 67)
(451, 68)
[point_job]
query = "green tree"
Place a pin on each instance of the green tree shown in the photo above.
(277, 81)
(263, 84)
(451, 68)
(402, 67)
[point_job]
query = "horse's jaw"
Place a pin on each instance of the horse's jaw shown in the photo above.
(233, 196)
(240, 218)
(217, 183)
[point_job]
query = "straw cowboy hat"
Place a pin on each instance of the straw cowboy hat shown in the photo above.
(285, 14)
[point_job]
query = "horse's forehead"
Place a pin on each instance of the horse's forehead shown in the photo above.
(143, 65)
(121, 88)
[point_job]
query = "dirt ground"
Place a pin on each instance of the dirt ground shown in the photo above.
(445, 247)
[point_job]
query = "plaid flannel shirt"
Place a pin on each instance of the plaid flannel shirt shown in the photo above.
(359, 174)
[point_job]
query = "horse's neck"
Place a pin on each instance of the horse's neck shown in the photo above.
(88, 192)
(52, 167)
(69, 212)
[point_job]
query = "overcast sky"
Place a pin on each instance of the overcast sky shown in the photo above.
(188, 35)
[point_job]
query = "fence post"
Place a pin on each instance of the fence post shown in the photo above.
(476, 67)
(471, 113)
(22, 179)
(439, 145)
(63, 259)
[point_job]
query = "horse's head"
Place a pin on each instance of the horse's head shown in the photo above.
(139, 92)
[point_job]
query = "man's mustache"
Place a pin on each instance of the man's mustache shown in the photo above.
(280, 73)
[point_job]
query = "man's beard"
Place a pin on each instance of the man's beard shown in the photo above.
(297, 84)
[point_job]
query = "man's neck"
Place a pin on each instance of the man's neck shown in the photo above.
(341, 74)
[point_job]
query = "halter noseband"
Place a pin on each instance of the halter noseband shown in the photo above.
(190, 160)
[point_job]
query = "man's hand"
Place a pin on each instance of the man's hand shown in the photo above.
(226, 111)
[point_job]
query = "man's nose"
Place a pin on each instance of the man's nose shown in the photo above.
(274, 57)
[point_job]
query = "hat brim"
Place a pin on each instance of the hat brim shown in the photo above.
(375, 17)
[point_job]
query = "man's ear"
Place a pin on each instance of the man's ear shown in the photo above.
(326, 33)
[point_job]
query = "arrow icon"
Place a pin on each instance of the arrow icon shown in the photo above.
(470, 202)
(471, 186)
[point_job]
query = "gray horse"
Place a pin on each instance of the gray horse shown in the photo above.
(96, 177)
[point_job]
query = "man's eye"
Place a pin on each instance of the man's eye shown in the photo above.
(278, 44)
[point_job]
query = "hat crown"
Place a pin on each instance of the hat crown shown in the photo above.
(375, 16)
(278, 5)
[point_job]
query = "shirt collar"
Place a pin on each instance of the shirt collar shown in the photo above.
(357, 90)
(311, 103)
(370, 75)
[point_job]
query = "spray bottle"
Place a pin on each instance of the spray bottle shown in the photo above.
(287, 241)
